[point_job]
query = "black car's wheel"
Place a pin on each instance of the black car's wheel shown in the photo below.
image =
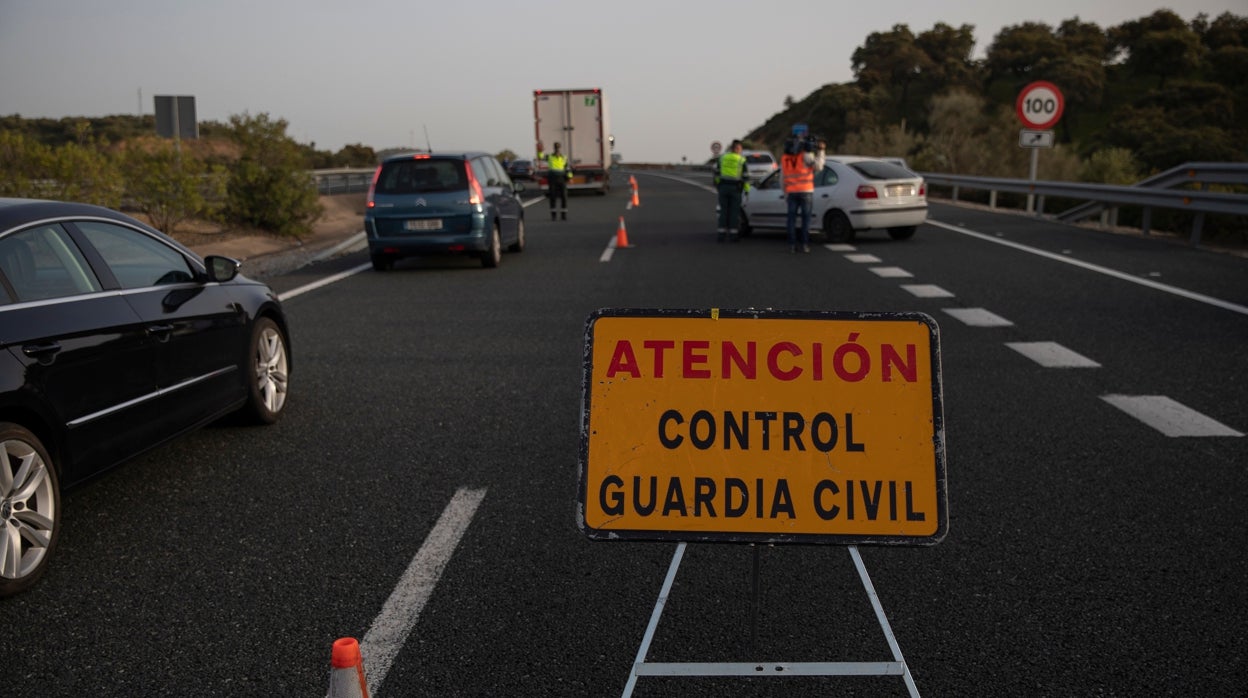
(382, 262)
(902, 233)
(270, 373)
(491, 257)
(30, 509)
(518, 245)
(837, 228)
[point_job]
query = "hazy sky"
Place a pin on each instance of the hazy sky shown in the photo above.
(677, 74)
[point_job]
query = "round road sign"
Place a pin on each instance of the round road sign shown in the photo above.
(716, 146)
(1040, 105)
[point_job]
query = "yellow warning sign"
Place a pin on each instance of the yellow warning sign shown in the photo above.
(762, 426)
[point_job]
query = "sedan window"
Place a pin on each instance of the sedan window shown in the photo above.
(136, 259)
(878, 169)
(826, 178)
(42, 263)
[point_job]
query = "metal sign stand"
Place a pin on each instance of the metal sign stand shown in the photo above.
(641, 667)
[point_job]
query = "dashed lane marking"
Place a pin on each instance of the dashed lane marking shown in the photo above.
(891, 273)
(978, 317)
(863, 258)
(1052, 355)
(1169, 417)
(927, 291)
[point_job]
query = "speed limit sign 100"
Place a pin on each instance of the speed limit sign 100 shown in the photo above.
(1040, 105)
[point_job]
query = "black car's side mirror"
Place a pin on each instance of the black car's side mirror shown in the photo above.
(221, 269)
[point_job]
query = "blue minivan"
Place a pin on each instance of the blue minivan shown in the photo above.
(442, 203)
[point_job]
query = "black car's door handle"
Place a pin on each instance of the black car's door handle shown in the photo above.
(160, 332)
(43, 350)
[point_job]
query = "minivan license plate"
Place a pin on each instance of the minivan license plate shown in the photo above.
(423, 224)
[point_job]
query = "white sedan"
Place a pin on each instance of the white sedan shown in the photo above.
(851, 194)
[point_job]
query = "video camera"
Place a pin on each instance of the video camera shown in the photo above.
(801, 143)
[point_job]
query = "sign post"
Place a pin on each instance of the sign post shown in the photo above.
(1039, 106)
(754, 426)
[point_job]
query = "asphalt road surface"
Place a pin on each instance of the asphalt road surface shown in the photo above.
(420, 493)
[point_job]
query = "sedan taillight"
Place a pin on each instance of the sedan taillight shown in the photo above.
(866, 191)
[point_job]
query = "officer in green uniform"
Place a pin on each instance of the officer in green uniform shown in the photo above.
(733, 182)
(557, 178)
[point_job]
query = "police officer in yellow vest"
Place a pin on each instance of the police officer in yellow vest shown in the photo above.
(557, 177)
(732, 181)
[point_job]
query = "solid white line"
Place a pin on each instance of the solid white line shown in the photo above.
(398, 616)
(1052, 355)
(1210, 300)
(1169, 417)
(978, 317)
(323, 282)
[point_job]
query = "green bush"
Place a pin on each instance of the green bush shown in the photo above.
(169, 186)
(269, 186)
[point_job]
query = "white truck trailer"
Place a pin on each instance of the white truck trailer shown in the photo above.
(577, 120)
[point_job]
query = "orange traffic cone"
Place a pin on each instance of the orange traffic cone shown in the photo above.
(621, 235)
(346, 675)
(636, 201)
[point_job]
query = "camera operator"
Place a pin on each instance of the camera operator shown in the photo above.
(803, 157)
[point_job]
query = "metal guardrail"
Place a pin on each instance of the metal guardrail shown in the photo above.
(1111, 196)
(344, 180)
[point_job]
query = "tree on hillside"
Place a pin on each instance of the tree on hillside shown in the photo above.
(1023, 52)
(891, 59)
(1161, 45)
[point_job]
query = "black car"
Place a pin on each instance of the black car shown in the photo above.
(114, 338)
(521, 169)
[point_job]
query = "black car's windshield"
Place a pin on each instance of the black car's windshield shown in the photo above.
(420, 176)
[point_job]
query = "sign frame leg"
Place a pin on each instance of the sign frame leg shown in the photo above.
(897, 667)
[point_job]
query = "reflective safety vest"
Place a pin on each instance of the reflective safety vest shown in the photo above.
(558, 163)
(731, 167)
(798, 176)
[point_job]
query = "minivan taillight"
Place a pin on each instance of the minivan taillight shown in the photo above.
(372, 187)
(866, 191)
(475, 195)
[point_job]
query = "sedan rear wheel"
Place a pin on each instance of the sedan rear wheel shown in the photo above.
(491, 257)
(837, 228)
(30, 509)
(270, 377)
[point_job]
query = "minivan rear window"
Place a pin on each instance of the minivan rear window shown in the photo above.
(421, 176)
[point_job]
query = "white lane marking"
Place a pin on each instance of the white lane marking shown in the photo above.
(1169, 417)
(891, 273)
(927, 291)
(1052, 355)
(1210, 300)
(863, 258)
(978, 317)
(840, 247)
(607, 253)
(323, 282)
(398, 616)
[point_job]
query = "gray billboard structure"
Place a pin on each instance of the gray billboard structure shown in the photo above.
(175, 117)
